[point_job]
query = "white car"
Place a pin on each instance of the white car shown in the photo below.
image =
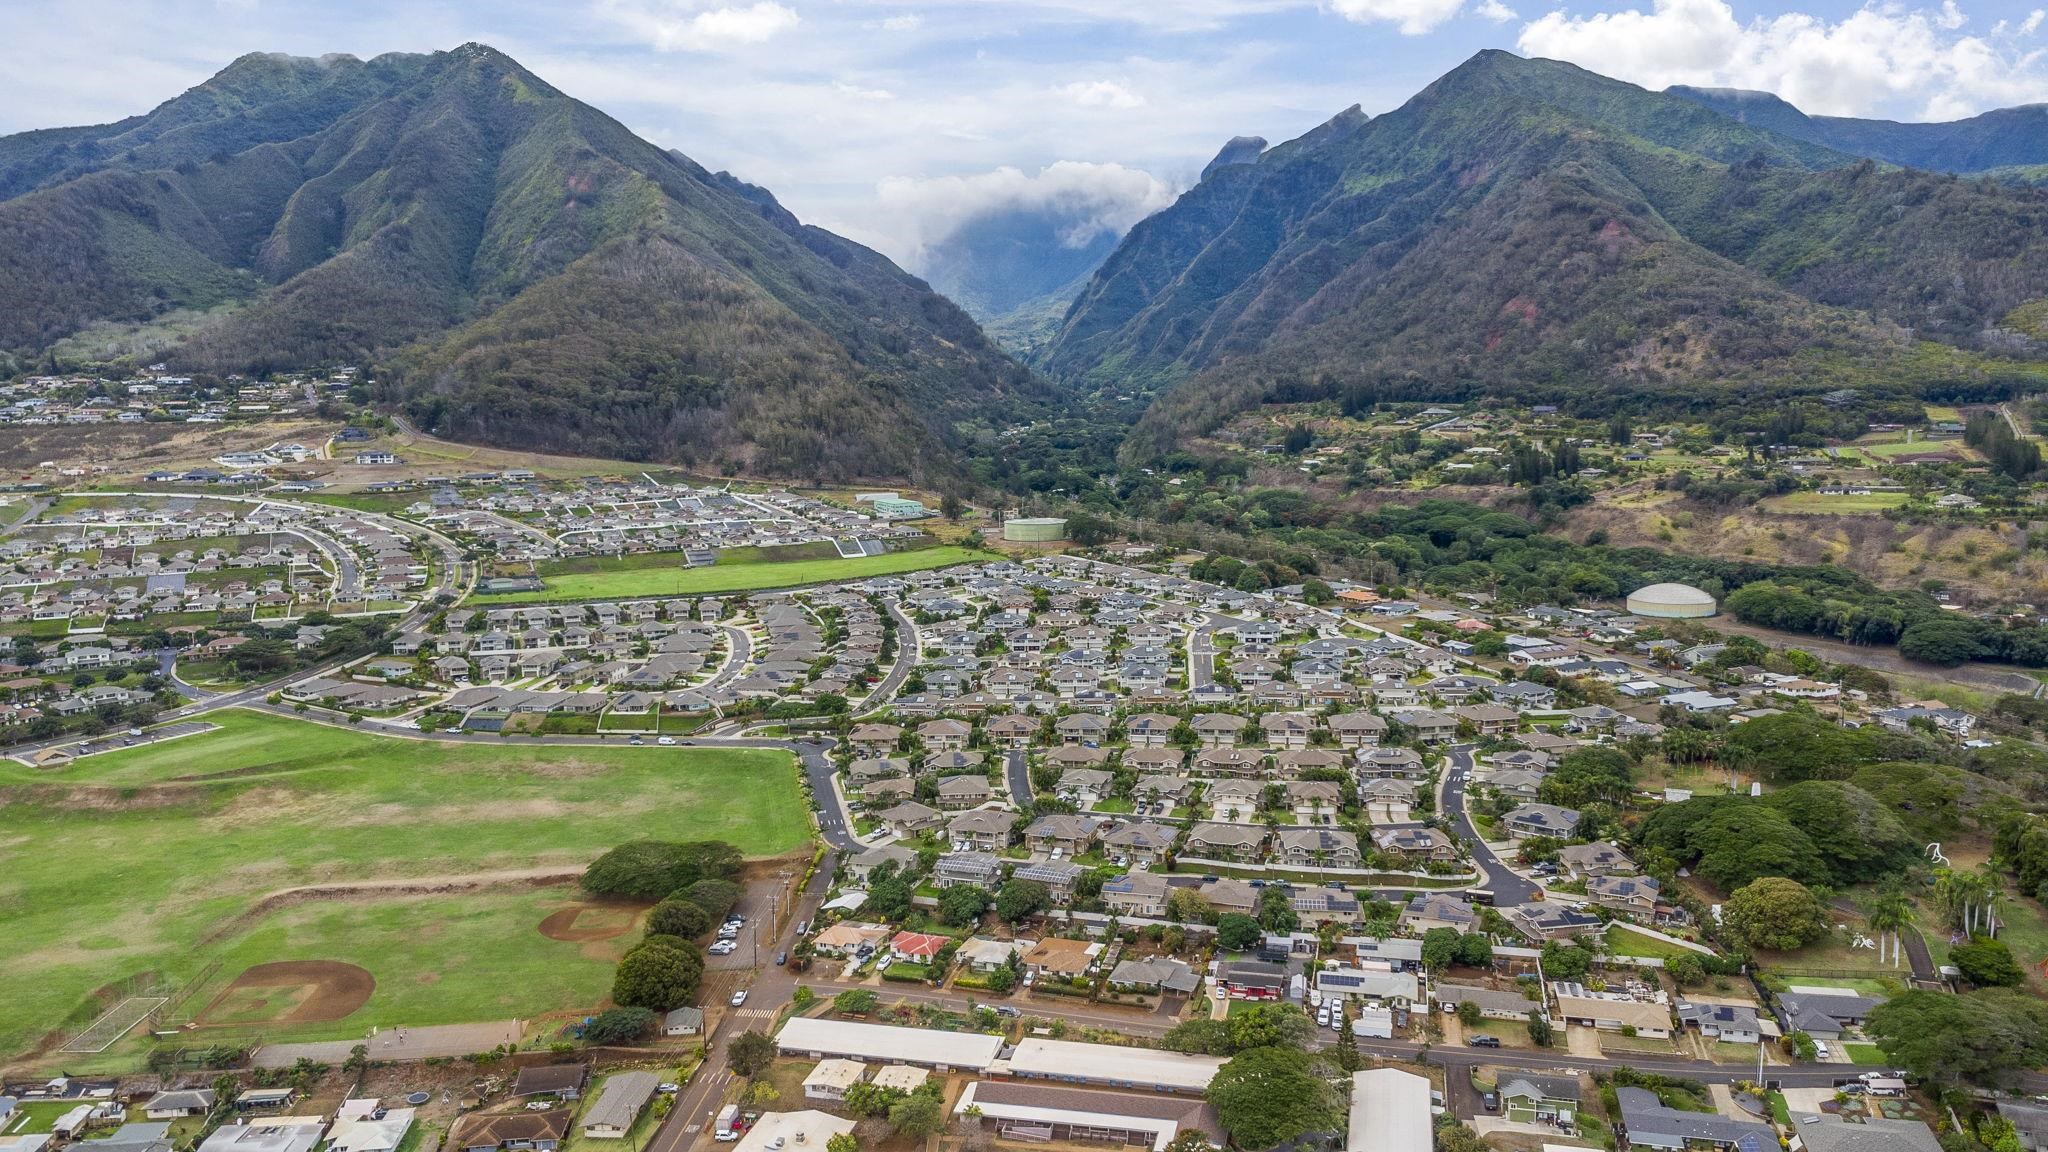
(666, 741)
(739, 997)
(723, 948)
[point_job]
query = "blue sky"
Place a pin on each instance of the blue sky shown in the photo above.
(891, 122)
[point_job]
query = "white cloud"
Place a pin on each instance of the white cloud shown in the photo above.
(906, 22)
(1497, 12)
(679, 26)
(2032, 23)
(1412, 17)
(1876, 61)
(856, 92)
(1083, 200)
(1100, 94)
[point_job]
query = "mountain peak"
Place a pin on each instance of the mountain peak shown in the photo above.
(1240, 150)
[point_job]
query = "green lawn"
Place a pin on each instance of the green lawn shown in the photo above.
(437, 960)
(115, 866)
(1859, 987)
(1625, 941)
(678, 581)
(1862, 1054)
(1810, 502)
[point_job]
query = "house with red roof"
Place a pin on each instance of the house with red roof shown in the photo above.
(919, 947)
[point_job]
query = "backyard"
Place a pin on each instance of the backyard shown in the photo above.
(150, 860)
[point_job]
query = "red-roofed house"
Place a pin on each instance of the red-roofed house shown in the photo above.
(917, 946)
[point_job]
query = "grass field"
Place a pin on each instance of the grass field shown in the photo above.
(1808, 503)
(1886, 448)
(135, 861)
(731, 578)
(1624, 941)
(437, 959)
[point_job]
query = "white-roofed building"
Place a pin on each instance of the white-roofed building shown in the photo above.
(365, 1132)
(832, 1077)
(1389, 1110)
(807, 1129)
(1111, 1065)
(886, 1043)
(1037, 1113)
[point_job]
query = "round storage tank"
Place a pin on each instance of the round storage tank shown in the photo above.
(1671, 601)
(1035, 529)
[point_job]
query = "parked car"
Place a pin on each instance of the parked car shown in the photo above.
(1491, 1101)
(1008, 1010)
(1482, 1042)
(782, 958)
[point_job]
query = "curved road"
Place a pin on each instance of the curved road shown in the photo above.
(1507, 887)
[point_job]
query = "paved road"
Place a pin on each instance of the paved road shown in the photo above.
(768, 990)
(1017, 771)
(1202, 649)
(1507, 887)
(909, 650)
(167, 667)
(739, 651)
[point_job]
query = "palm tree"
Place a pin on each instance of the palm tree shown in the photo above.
(1889, 915)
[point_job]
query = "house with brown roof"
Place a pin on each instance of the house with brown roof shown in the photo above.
(1488, 719)
(1067, 834)
(510, 1131)
(1585, 861)
(1013, 731)
(1235, 842)
(1150, 729)
(957, 792)
(1140, 842)
(981, 829)
(874, 739)
(1286, 730)
(1218, 729)
(1390, 764)
(1358, 729)
(1060, 957)
(1136, 894)
(1241, 762)
(910, 818)
(944, 735)
(1317, 847)
(1291, 763)
(1154, 760)
(1415, 843)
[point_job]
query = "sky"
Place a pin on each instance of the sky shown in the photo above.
(892, 122)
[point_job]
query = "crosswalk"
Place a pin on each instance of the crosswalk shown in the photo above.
(755, 1014)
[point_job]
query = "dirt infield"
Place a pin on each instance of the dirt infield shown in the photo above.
(290, 992)
(587, 923)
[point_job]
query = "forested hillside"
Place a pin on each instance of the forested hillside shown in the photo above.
(1526, 228)
(527, 272)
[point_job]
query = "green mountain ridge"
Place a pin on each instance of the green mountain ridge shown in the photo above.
(525, 270)
(1999, 141)
(1526, 228)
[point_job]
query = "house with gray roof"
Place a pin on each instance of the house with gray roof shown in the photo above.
(1649, 1123)
(1823, 1132)
(619, 1104)
(1823, 1016)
